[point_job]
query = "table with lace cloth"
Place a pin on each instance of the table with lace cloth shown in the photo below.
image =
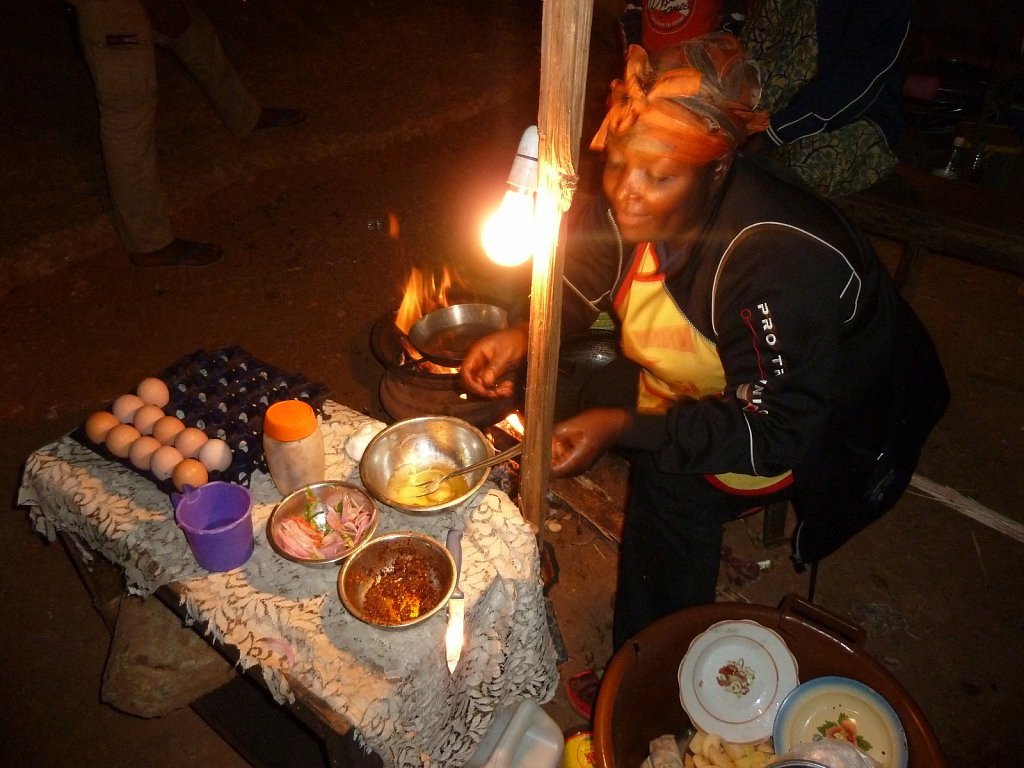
(287, 621)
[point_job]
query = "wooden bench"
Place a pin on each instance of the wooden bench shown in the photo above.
(975, 223)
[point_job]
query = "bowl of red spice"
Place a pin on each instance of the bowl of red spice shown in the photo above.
(397, 580)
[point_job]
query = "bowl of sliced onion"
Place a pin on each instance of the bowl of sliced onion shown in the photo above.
(321, 524)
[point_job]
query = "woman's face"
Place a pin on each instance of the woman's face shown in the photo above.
(653, 196)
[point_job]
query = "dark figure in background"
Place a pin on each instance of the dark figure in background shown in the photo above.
(118, 40)
(832, 86)
(776, 358)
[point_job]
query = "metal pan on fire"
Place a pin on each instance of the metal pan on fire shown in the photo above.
(445, 335)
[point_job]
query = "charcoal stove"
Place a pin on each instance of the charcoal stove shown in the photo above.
(411, 386)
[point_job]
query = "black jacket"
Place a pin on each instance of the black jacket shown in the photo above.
(858, 75)
(804, 316)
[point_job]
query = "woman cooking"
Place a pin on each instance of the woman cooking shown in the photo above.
(776, 358)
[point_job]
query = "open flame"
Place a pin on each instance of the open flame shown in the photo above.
(423, 294)
(513, 425)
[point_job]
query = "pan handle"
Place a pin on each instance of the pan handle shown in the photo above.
(795, 608)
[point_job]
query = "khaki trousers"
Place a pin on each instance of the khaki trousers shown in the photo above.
(119, 46)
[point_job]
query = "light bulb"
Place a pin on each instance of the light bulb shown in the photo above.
(508, 235)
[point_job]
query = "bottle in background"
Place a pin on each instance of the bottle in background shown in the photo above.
(954, 167)
(976, 167)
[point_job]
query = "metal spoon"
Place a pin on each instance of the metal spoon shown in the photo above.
(431, 486)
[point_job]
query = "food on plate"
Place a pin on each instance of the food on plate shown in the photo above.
(708, 750)
(327, 528)
(99, 424)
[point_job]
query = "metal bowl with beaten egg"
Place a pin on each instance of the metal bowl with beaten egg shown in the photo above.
(401, 458)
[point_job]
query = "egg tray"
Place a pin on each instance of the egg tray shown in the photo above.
(224, 392)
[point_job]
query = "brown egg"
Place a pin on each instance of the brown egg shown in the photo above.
(125, 407)
(99, 424)
(142, 450)
(164, 460)
(189, 441)
(120, 438)
(153, 392)
(189, 472)
(146, 417)
(167, 428)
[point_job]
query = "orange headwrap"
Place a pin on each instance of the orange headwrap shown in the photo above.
(695, 103)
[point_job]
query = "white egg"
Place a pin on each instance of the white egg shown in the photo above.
(358, 440)
(215, 455)
(189, 441)
(146, 417)
(125, 407)
(164, 460)
(120, 438)
(154, 392)
(99, 424)
(142, 450)
(167, 428)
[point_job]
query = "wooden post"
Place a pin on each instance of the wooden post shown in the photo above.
(565, 49)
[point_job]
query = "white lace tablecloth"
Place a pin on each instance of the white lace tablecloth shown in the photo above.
(392, 685)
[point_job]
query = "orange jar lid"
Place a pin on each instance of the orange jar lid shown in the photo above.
(289, 420)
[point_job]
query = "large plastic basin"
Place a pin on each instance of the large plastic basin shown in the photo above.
(639, 696)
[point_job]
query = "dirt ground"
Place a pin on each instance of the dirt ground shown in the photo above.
(414, 108)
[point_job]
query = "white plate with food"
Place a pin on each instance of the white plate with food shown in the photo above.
(842, 708)
(733, 679)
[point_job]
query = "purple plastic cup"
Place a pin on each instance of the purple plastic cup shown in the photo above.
(217, 521)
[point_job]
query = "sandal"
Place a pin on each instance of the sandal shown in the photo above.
(581, 690)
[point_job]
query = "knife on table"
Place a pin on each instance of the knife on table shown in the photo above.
(455, 633)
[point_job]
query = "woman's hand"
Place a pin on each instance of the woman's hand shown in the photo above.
(579, 441)
(492, 358)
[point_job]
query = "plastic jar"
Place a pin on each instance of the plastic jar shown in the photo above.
(293, 445)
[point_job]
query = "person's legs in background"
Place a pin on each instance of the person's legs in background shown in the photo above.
(117, 42)
(200, 50)
(671, 545)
